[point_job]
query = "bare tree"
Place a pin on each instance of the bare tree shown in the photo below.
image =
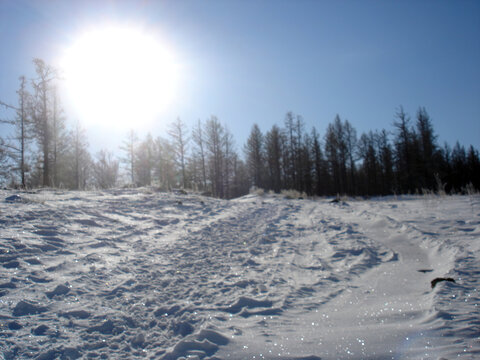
(178, 133)
(129, 146)
(81, 157)
(105, 170)
(16, 147)
(214, 132)
(41, 113)
(164, 163)
(229, 159)
(144, 161)
(199, 140)
(59, 140)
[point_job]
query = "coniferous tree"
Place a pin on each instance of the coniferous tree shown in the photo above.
(273, 150)
(404, 152)
(301, 161)
(385, 153)
(427, 147)
(320, 172)
(337, 154)
(350, 140)
(459, 167)
(254, 152)
(306, 166)
(473, 164)
(289, 155)
(370, 165)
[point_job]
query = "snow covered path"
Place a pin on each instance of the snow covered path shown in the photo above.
(139, 274)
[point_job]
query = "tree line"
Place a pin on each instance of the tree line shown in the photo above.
(44, 151)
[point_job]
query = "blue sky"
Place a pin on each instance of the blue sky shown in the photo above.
(252, 61)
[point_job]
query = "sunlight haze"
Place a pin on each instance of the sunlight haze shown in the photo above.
(119, 77)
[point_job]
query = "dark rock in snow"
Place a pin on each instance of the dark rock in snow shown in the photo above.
(425, 270)
(437, 280)
(14, 199)
(27, 308)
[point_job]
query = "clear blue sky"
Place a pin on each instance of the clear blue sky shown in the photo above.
(252, 61)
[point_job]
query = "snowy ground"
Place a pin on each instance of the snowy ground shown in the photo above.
(137, 274)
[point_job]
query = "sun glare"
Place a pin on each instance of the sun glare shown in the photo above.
(119, 77)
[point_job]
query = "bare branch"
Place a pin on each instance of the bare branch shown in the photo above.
(8, 106)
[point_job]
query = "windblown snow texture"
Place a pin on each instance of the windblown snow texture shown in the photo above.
(134, 273)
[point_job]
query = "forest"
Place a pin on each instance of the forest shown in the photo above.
(44, 150)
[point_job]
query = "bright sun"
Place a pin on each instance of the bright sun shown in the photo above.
(119, 77)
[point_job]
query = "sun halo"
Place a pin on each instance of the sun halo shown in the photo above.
(119, 77)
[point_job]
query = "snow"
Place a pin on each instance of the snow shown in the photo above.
(135, 273)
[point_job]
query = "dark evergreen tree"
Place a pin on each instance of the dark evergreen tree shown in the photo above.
(336, 152)
(350, 135)
(273, 149)
(320, 173)
(404, 152)
(428, 149)
(473, 165)
(385, 154)
(370, 165)
(254, 153)
(459, 167)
